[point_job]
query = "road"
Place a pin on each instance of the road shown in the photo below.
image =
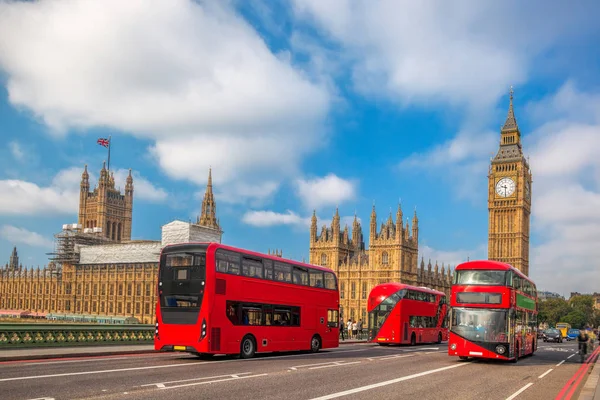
(421, 372)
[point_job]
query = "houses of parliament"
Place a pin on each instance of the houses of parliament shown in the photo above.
(96, 269)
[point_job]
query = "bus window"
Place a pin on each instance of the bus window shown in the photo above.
(316, 278)
(282, 272)
(228, 262)
(300, 276)
(252, 268)
(332, 318)
(330, 281)
(268, 267)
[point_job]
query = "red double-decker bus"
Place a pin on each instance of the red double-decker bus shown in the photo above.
(217, 299)
(402, 314)
(493, 312)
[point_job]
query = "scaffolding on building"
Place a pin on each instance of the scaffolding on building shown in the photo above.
(68, 241)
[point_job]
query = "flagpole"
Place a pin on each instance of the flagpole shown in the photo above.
(109, 143)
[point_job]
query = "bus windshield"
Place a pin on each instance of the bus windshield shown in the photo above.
(181, 286)
(380, 313)
(480, 277)
(480, 325)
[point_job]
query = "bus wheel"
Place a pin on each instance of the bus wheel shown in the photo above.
(439, 338)
(464, 358)
(315, 343)
(413, 339)
(248, 347)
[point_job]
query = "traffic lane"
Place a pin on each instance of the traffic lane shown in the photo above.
(494, 379)
(90, 384)
(97, 376)
(15, 369)
(300, 380)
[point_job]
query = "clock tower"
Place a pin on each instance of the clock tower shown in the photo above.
(509, 198)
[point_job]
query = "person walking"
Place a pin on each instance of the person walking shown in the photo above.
(342, 328)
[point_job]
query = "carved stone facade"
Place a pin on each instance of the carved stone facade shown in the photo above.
(509, 198)
(105, 207)
(392, 257)
(107, 279)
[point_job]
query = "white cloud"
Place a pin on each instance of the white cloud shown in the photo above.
(16, 151)
(19, 197)
(271, 218)
(325, 191)
(192, 76)
(15, 235)
(465, 53)
(143, 189)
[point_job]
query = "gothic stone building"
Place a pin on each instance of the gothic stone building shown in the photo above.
(102, 272)
(509, 198)
(392, 257)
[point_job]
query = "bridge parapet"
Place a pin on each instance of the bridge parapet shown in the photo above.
(14, 336)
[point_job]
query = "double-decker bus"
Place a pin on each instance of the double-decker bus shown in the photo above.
(564, 328)
(493, 312)
(402, 314)
(217, 299)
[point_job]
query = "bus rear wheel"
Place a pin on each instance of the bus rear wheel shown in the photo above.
(315, 344)
(248, 347)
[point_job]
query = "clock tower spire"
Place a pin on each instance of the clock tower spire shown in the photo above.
(509, 198)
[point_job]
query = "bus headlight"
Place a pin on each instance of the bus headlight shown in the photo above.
(500, 349)
(203, 333)
(453, 346)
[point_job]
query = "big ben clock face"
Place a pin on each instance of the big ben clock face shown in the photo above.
(505, 187)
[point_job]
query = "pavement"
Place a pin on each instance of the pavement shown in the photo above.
(351, 370)
(591, 388)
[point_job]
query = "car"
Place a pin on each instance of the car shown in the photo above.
(553, 335)
(572, 334)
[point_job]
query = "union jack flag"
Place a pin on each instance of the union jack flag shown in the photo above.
(103, 142)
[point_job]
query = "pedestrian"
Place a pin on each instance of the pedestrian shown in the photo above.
(349, 327)
(359, 325)
(354, 329)
(342, 327)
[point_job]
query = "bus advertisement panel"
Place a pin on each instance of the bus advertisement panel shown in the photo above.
(402, 314)
(493, 312)
(217, 299)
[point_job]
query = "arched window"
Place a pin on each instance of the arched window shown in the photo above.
(384, 257)
(119, 229)
(323, 259)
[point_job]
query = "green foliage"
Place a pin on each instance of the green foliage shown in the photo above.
(578, 311)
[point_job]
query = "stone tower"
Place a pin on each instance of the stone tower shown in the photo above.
(208, 213)
(13, 262)
(105, 207)
(509, 198)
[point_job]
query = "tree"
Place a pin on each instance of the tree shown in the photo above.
(576, 318)
(553, 310)
(585, 305)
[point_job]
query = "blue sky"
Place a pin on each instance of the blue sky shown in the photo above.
(304, 105)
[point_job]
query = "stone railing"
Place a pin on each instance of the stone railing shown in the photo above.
(43, 335)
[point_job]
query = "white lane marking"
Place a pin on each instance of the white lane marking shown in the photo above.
(390, 357)
(560, 363)
(169, 366)
(236, 375)
(336, 364)
(572, 355)
(44, 398)
(518, 392)
(385, 383)
(215, 381)
(545, 373)
(95, 359)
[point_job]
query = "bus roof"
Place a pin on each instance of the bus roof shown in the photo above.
(490, 265)
(213, 245)
(392, 287)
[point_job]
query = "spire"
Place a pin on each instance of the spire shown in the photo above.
(511, 122)
(13, 263)
(85, 176)
(111, 180)
(208, 214)
(415, 219)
